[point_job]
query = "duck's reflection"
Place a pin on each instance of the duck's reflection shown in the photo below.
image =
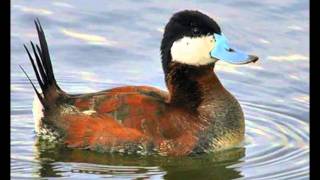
(58, 161)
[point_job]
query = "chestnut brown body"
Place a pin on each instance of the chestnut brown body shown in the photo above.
(196, 114)
(144, 119)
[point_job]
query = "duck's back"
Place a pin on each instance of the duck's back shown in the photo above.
(133, 118)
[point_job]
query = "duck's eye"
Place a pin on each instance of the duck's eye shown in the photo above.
(195, 30)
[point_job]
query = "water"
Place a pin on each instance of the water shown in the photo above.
(100, 44)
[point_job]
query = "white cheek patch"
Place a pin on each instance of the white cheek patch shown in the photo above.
(193, 51)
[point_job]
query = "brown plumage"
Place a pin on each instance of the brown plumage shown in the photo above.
(197, 114)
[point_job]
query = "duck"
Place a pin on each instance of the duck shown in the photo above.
(195, 115)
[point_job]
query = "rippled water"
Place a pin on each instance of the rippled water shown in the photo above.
(97, 45)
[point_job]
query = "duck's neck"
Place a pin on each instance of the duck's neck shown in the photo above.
(189, 86)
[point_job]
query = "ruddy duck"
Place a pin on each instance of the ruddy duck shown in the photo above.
(196, 115)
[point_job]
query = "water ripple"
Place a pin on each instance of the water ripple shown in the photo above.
(126, 172)
(280, 147)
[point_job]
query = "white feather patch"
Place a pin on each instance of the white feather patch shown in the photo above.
(193, 51)
(37, 113)
(89, 112)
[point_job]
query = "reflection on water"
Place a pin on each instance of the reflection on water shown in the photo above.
(73, 163)
(91, 39)
(98, 45)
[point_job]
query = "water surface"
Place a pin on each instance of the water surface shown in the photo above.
(97, 45)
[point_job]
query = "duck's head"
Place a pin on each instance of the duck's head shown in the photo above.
(193, 38)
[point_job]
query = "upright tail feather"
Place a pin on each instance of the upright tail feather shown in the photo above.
(43, 68)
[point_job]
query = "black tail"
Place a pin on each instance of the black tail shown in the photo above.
(43, 68)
